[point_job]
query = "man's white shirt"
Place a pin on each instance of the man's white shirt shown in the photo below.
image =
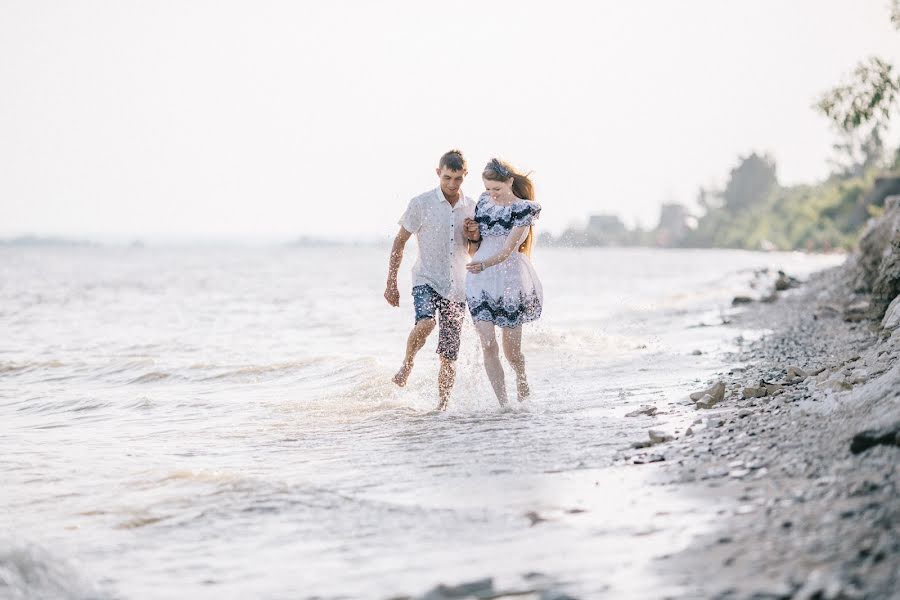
(443, 249)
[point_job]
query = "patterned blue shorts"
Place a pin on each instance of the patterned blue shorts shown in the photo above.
(427, 302)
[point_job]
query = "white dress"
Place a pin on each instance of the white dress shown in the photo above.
(509, 293)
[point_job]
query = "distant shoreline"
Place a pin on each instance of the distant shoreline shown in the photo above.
(40, 241)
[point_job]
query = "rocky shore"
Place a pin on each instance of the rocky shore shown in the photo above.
(796, 448)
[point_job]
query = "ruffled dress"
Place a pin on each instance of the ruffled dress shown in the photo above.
(507, 294)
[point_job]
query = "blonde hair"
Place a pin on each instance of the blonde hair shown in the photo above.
(522, 187)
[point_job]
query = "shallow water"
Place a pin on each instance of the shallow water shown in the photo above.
(219, 422)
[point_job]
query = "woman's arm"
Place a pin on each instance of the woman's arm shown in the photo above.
(516, 236)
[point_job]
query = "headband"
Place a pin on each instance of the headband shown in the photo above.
(498, 168)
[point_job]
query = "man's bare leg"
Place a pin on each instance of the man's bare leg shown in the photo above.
(446, 378)
(414, 343)
(512, 349)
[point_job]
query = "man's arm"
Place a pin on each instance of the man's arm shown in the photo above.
(391, 293)
(473, 236)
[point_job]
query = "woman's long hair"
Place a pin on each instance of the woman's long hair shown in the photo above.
(522, 187)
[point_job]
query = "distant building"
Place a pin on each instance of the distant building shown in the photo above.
(606, 225)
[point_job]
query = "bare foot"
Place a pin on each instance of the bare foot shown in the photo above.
(403, 374)
(522, 389)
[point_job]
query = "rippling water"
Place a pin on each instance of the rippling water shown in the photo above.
(220, 423)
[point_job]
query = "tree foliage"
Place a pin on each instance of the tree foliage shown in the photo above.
(858, 154)
(826, 216)
(868, 100)
(870, 97)
(750, 182)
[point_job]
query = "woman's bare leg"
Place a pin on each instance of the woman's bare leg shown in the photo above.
(512, 349)
(492, 364)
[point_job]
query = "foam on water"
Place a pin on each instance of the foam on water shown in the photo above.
(29, 572)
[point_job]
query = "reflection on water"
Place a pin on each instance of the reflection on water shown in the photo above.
(221, 423)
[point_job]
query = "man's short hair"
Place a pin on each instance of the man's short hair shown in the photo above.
(453, 160)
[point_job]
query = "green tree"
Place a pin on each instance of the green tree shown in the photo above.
(750, 182)
(857, 154)
(865, 105)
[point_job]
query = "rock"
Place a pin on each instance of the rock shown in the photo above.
(819, 586)
(886, 286)
(659, 437)
(554, 595)
(707, 401)
(741, 300)
(816, 371)
(827, 310)
(857, 311)
(773, 591)
(836, 385)
(754, 392)
(892, 315)
(773, 388)
(696, 352)
(651, 458)
(480, 587)
(795, 373)
(717, 391)
(534, 518)
(645, 409)
(784, 282)
(889, 436)
(875, 242)
(860, 376)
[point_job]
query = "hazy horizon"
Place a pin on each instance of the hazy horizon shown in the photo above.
(275, 121)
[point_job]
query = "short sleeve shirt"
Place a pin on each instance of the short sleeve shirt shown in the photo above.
(443, 249)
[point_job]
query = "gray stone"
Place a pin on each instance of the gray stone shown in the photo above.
(796, 373)
(645, 409)
(892, 315)
(889, 436)
(754, 392)
(717, 391)
(659, 437)
(479, 587)
(857, 311)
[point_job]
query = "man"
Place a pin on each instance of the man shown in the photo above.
(442, 221)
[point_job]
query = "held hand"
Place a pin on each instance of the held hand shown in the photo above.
(392, 295)
(471, 230)
(475, 267)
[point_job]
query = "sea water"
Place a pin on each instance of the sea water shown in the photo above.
(220, 422)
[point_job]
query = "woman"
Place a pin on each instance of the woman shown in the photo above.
(502, 288)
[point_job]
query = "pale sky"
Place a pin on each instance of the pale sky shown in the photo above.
(272, 120)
